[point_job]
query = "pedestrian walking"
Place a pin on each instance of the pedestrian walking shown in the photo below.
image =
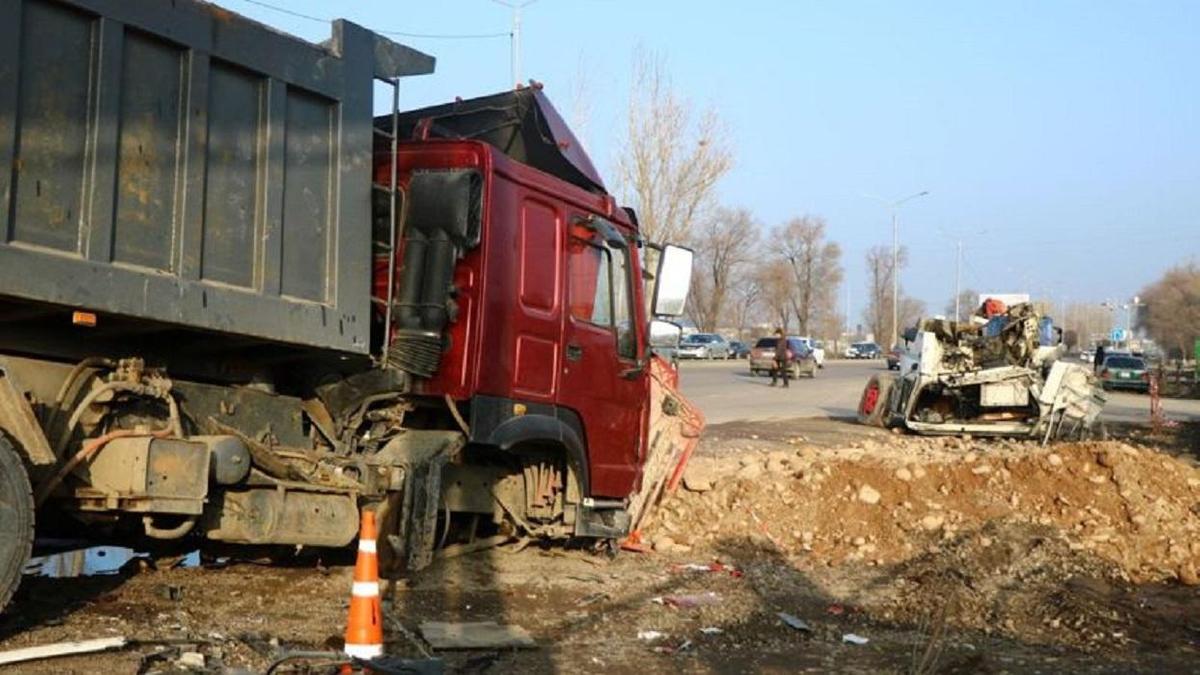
(1099, 360)
(783, 359)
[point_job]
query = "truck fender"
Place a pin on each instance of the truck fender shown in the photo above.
(19, 423)
(545, 429)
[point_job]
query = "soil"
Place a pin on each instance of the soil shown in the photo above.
(948, 555)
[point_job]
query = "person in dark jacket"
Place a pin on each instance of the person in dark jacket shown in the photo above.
(1098, 362)
(783, 361)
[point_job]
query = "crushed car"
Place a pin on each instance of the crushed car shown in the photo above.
(1003, 373)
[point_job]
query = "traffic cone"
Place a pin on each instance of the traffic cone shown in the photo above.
(364, 630)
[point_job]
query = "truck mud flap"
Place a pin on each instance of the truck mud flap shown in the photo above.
(408, 515)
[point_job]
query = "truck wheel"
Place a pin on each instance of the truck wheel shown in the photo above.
(872, 406)
(16, 520)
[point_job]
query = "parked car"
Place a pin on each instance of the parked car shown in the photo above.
(703, 346)
(738, 350)
(864, 350)
(762, 357)
(1124, 371)
(816, 347)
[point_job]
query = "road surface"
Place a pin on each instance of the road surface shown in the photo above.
(726, 391)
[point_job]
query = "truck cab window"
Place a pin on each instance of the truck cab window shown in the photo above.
(601, 291)
(590, 283)
(623, 304)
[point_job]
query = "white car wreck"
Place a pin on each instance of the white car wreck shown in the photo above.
(997, 376)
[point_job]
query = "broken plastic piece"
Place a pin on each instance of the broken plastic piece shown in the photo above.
(794, 622)
(692, 600)
(854, 639)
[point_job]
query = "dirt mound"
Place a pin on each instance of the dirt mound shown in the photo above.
(891, 501)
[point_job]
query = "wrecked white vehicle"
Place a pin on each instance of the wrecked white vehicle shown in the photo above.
(1000, 376)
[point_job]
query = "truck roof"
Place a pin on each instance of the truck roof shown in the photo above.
(522, 124)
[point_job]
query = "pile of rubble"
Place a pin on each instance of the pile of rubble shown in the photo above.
(1133, 511)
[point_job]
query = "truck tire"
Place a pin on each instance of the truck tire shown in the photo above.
(872, 405)
(16, 520)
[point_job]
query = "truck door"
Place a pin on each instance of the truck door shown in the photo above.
(600, 380)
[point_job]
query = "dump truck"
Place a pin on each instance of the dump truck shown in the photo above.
(1000, 374)
(238, 307)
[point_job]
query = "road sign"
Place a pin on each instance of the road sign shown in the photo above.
(1117, 335)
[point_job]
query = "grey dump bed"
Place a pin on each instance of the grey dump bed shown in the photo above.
(176, 162)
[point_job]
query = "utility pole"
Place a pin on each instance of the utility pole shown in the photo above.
(958, 283)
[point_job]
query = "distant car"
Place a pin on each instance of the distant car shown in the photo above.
(738, 350)
(1087, 357)
(703, 346)
(762, 357)
(894, 355)
(864, 350)
(1123, 371)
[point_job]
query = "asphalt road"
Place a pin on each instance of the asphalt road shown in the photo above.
(727, 392)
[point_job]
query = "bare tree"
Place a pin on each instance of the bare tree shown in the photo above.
(1172, 313)
(911, 311)
(582, 98)
(745, 301)
(967, 302)
(1089, 321)
(878, 314)
(671, 159)
(724, 243)
(774, 280)
(815, 266)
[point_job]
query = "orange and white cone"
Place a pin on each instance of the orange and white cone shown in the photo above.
(364, 630)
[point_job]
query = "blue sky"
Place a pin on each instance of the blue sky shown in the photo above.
(1059, 140)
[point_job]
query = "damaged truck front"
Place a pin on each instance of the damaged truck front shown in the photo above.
(999, 375)
(236, 306)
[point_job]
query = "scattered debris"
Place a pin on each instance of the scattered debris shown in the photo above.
(855, 639)
(691, 600)
(711, 630)
(61, 649)
(650, 635)
(191, 660)
(794, 622)
(475, 635)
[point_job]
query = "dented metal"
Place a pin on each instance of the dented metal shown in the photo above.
(1000, 376)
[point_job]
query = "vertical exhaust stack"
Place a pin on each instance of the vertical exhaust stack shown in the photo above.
(443, 223)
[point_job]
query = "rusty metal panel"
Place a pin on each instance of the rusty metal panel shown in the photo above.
(148, 151)
(177, 162)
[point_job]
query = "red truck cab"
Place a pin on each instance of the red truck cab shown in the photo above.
(548, 345)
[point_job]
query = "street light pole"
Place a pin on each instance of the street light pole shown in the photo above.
(893, 207)
(958, 283)
(895, 276)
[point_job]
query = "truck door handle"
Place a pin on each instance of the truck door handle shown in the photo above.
(574, 352)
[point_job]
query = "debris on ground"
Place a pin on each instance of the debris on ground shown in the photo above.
(61, 649)
(794, 622)
(979, 555)
(475, 635)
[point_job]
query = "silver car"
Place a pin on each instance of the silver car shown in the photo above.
(704, 346)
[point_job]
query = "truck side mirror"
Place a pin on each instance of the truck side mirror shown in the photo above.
(673, 281)
(664, 334)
